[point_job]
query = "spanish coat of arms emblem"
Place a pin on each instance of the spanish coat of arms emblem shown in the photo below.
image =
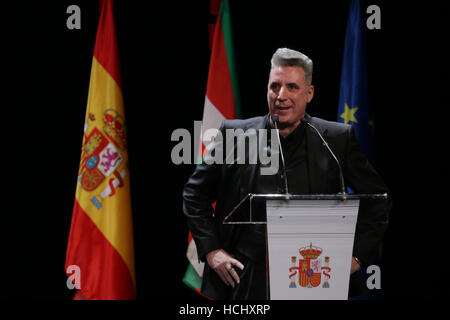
(310, 268)
(102, 156)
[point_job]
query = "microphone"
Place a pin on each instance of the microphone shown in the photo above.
(275, 120)
(341, 175)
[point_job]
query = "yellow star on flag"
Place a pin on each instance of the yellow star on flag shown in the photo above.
(349, 114)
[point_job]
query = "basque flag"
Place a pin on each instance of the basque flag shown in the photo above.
(221, 102)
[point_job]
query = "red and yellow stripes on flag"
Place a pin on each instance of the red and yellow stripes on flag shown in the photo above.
(101, 235)
(221, 102)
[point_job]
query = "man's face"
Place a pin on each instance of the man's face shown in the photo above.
(288, 94)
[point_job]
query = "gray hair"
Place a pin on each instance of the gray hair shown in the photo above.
(285, 57)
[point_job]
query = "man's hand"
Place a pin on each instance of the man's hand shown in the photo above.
(355, 266)
(222, 263)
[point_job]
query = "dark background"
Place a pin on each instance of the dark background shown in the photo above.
(164, 57)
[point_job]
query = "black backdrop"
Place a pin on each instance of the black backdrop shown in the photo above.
(164, 56)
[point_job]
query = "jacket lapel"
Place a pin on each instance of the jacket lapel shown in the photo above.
(248, 171)
(318, 160)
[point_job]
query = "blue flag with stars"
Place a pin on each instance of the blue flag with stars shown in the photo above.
(354, 105)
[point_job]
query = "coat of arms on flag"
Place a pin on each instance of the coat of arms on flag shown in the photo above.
(101, 158)
(310, 268)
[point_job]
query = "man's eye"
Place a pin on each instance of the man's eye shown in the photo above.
(293, 86)
(274, 86)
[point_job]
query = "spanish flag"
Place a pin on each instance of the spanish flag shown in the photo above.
(100, 247)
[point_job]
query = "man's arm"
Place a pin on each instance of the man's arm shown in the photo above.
(199, 193)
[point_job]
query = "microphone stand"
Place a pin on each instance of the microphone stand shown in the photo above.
(341, 175)
(275, 121)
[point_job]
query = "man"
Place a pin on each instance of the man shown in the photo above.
(235, 254)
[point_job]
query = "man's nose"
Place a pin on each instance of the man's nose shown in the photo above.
(282, 94)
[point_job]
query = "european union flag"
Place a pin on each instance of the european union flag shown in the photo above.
(354, 107)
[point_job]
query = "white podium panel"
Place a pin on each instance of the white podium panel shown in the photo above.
(310, 244)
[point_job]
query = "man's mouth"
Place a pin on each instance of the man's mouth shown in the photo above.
(282, 108)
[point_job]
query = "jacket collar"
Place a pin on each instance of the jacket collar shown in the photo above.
(317, 157)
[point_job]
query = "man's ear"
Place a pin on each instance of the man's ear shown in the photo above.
(310, 93)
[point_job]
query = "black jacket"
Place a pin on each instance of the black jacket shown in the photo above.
(227, 184)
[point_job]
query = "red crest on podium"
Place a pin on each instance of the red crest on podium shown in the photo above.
(310, 268)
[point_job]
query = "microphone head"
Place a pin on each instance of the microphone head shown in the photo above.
(275, 118)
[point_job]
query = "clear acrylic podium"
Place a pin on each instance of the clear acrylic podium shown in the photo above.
(309, 241)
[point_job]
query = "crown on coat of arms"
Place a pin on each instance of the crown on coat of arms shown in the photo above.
(115, 127)
(310, 252)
